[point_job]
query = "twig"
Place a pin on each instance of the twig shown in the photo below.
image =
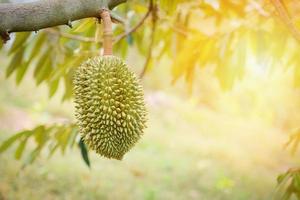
(179, 31)
(148, 59)
(116, 18)
(283, 14)
(260, 9)
(140, 23)
(70, 36)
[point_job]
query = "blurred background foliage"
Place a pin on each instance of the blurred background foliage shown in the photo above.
(225, 72)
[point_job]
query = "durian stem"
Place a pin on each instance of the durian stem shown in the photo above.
(107, 32)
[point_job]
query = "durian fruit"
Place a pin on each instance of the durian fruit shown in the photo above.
(110, 108)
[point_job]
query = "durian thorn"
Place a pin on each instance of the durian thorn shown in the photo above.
(107, 32)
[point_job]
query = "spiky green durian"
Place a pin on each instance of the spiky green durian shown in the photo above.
(110, 108)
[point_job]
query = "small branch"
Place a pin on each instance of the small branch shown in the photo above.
(285, 17)
(148, 59)
(70, 36)
(179, 31)
(116, 18)
(33, 16)
(140, 23)
(259, 8)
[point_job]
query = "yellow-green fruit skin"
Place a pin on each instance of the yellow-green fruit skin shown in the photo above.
(109, 106)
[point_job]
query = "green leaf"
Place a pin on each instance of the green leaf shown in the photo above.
(98, 33)
(68, 86)
(15, 62)
(296, 181)
(53, 86)
(73, 135)
(7, 143)
(84, 25)
(21, 72)
(40, 135)
(139, 41)
(240, 56)
(261, 39)
(20, 39)
(62, 136)
(169, 5)
(32, 156)
(297, 76)
(37, 46)
(283, 189)
(45, 71)
(41, 62)
(20, 149)
(122, 48)
(282, 178)
(53, 149)
(54, 137)
(84, 153)
(287, 195)
(294, 140)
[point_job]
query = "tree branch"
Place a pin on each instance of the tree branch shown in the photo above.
(140, 23)
(151, 45)
(33, 16)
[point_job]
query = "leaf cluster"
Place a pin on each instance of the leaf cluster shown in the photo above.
(288, 185)
(47, 139)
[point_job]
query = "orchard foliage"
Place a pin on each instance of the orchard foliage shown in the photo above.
(198, 34)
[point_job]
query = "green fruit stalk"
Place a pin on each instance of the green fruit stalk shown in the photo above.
(110, 108)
